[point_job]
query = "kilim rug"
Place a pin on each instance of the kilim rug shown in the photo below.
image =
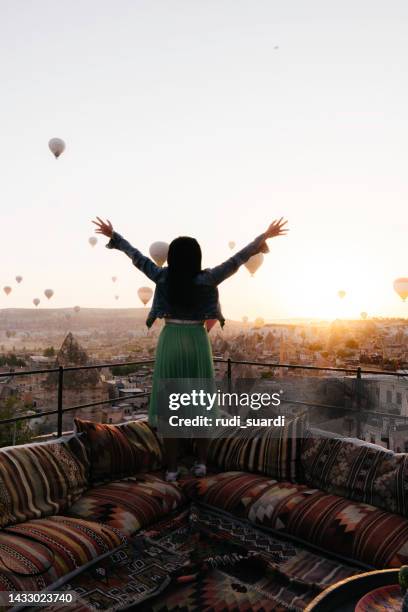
(203, 561)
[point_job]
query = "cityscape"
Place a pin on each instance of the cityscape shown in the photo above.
(326, 355)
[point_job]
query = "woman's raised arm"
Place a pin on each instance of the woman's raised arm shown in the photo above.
(231, 265)
(143, 263)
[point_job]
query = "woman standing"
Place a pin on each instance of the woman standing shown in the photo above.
(185, 297)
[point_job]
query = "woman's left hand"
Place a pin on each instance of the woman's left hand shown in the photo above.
(106, 229)
(277, 228)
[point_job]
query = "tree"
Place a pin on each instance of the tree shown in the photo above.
(49, 352)
(20, 431)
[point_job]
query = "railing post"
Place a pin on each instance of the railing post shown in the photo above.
(60, 396)
(358, 389)
(229, 374)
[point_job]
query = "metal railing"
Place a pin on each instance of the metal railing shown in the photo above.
(61, 370)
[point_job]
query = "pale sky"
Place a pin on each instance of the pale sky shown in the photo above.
(181, 117)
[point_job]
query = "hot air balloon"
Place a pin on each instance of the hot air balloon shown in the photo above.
(158, 252)
(254, 263)
(92, 241)
(19, 279)
(210, 324)
(144, 293)
(231, 244)
(77, 308)
(363, 315)
(36, 301)
(7, 290)
(114, 279)
(401, 287)
(116, 297)
(341, 294)
(245, 319)
(48, 293)
(56, 146)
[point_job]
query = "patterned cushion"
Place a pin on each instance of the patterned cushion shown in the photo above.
(357, 470)
(129, 504)
(117, 451)
(237, 492)
(272, 453)
(36, 553)
(354, 530)
(38, 480)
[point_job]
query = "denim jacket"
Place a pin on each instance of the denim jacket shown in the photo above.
(207, 279)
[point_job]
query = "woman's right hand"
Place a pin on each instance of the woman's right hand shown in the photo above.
(277, 228)
(106, 229)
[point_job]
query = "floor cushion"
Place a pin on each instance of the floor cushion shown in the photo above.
(129, 504)
(352, 530)
(36, 553)
(357, 470)
(41, 479)
(238, 492)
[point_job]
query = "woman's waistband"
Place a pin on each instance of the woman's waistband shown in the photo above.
(183, 322)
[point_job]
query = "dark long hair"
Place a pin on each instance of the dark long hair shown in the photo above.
(184, 263)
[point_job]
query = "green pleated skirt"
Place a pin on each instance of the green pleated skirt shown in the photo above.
(183, 351)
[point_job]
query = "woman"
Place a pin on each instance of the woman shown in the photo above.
(186, 297)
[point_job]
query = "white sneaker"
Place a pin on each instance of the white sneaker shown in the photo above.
(199, 470)
(172, 476)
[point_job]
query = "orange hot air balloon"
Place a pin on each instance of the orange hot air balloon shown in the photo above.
(144, 293)
(401, 287)
(7, 290)
(254, 263)
(341, 294)
(210, 324)
(36, 301)
(19, 279)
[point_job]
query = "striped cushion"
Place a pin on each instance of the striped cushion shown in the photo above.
(36, 553)
(129, 505)
(357, 470)
(272, 452)
(117, 451)
(39, 480)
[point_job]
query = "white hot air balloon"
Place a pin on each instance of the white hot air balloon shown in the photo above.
(77, 308)
(48, 293)
(363, 315)
(144, 293)
(231, 244)
(254, 263)
(114, 279)
(92, 241)
(341, 294)
(158, 252)
(19, 279)
(401, 287)
(56, 146)
(7, 290)
(36, 301)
